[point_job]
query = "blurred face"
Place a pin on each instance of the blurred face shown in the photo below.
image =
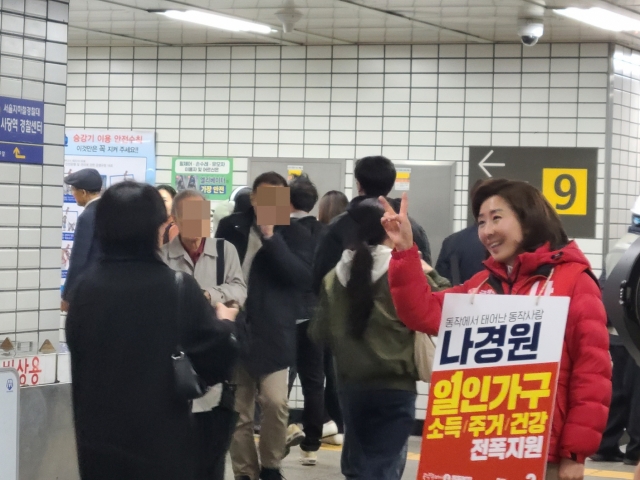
(194, 218)
(272, 204)
(499, 230)
(168, 201)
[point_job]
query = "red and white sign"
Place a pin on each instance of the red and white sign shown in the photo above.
(493, 387)
(36, 370)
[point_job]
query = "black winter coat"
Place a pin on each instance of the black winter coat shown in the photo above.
(280, 273)
(309, 297)
(461, 256)
(85, 251)
(122, 330)
(341, 234)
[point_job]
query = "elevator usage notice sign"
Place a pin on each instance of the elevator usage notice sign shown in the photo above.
(493, 387)
(211, 176)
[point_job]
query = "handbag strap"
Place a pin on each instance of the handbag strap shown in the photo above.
(220, 261)
(179, 287)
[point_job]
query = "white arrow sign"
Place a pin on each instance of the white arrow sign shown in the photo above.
(482, 164)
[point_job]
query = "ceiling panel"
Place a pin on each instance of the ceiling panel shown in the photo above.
(326, 22)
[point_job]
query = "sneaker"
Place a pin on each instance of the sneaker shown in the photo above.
(271, 474)
(294, 435)
(329, 429)
(337, 439)
(308, 459)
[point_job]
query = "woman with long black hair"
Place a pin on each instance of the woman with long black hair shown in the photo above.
(373, 352)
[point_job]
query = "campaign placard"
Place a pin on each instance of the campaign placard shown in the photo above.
(493, 387)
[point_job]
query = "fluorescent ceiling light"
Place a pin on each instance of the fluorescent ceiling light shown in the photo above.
(601, 18)
(217, 21)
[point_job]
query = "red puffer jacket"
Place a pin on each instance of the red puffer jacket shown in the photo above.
(584, 382)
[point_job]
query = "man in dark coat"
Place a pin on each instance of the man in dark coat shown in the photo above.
(462, 253)
(375, 177)
(461, 256)
(276, 262)
(86, 185)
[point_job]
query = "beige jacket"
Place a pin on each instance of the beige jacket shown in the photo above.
(205, 273)
(234, 286)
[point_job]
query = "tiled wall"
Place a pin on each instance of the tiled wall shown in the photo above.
(33, 57)
(625, 169)
(421, 102)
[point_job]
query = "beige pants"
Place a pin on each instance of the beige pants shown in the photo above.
(552, 471)
(272, 395)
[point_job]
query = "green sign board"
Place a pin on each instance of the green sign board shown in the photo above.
(211, 176)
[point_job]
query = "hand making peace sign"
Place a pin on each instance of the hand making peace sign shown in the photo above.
(397, 225)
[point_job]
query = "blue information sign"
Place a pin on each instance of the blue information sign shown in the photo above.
(13, 152)
(21, 121)
(21, 130)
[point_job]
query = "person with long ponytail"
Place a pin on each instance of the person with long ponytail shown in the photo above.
(373, 352)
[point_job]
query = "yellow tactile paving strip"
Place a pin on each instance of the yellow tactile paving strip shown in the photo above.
(589, 472)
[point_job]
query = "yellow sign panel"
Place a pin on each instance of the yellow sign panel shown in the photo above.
(566, 189)
(294, 171)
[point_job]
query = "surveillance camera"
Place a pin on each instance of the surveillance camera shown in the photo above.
(530, 32)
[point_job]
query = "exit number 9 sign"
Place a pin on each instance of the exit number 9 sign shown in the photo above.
(566, 189)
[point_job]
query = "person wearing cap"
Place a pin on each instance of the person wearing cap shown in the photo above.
(86, 185)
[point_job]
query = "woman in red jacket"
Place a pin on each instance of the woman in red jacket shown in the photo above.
(529, 254)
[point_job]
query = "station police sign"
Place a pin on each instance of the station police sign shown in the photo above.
(566, 176)
(21, 130)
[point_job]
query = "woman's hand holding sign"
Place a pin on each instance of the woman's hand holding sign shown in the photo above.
(397, 225)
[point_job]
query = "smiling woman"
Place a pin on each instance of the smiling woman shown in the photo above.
(527, 243)
(513, 218)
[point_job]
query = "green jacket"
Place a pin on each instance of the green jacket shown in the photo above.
(384, 357)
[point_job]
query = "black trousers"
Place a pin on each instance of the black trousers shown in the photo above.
(333, 410)
(624, 413)
(310, 368)
(213, 431)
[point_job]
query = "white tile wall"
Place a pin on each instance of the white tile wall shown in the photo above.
(421, 102)
(625, 168)
(33, 64)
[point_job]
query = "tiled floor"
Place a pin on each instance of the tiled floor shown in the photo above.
(328, 466)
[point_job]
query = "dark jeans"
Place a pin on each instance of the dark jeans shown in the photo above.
(378, 424)
(333, 411)
(310, 368)
(624, 413)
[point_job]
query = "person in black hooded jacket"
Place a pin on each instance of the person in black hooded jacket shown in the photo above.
(276, 262)
(375, 177)
(309, 359)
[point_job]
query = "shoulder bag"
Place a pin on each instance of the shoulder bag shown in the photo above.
(188, 385)
(423, 355)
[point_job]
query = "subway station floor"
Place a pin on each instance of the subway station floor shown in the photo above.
(328, 466)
